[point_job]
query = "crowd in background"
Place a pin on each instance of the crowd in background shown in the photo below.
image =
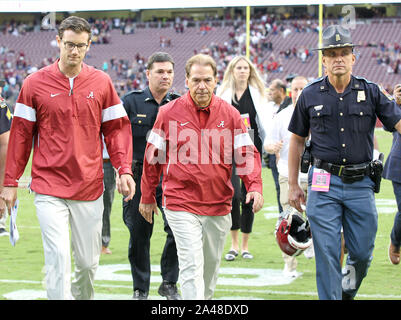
(130, 74)
(388, 55)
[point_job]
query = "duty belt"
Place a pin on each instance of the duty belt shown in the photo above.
(347, 173)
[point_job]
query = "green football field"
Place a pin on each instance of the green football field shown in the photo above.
(22, 267)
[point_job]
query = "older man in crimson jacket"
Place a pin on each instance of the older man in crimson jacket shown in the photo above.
(193, 142)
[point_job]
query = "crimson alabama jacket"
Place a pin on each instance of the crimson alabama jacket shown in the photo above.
(65, 128)
(195, 149)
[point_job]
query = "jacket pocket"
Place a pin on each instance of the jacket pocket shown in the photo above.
(362, 117)
(320, 119)
(141, 124)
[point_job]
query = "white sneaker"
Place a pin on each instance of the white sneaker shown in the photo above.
(290, 274)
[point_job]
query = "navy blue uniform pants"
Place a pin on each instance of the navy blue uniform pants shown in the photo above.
(352, 207)
(396, 231)
(109, 181)
(139, 243)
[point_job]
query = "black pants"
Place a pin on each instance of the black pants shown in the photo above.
(244, 220)
(139, 243)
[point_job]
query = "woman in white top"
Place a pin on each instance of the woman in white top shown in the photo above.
(243, 87)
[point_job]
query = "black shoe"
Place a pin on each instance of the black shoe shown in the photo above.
(169, 290)
(346, 296)
(3, 232)
(140, 295)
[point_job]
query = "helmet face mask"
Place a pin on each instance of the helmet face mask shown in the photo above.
(293, 235)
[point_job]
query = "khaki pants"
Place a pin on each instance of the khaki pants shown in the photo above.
(85, 218)
(200, 243)
(290, 262)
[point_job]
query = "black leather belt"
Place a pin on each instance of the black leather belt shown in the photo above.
(348, 173)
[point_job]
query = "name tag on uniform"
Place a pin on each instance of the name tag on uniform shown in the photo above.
(320, 180)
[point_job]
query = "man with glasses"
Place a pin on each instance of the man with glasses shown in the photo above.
(63, 110)
(340, 112)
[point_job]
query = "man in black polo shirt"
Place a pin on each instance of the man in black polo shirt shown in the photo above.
(340, 111)
(5, 125)
(142, 107)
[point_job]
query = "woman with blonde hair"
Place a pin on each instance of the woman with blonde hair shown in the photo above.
(243, 87)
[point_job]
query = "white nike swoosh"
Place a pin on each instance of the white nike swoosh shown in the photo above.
(183, 124)
(52, 95)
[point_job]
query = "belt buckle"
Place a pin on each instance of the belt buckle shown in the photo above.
(341, 170)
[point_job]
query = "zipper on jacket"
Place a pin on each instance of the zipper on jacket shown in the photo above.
(71, 86)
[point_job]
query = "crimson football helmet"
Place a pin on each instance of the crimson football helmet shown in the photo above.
(293, 234)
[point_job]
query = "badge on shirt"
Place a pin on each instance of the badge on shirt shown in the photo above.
(361, 96)
(246, 119)
(320, 180)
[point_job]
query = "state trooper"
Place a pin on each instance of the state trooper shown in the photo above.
(340, 111)
(142, 107)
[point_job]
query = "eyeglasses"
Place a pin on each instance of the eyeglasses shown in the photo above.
(71, 46)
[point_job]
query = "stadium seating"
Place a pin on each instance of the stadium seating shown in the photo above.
(145, 41)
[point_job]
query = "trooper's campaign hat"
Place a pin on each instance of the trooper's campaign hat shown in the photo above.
(335, 36)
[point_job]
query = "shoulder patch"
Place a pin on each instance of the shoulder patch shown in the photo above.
(382, 90)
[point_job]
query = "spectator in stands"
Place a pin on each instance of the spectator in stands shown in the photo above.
(243, 87)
